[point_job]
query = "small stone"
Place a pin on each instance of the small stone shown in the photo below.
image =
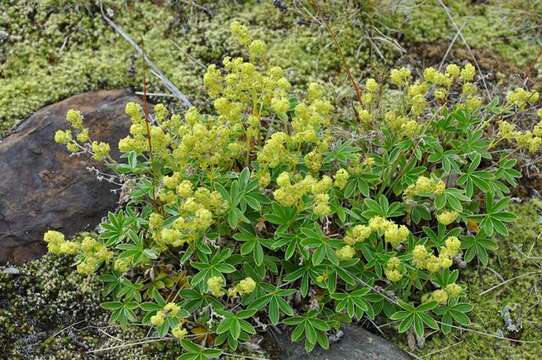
(42, 187)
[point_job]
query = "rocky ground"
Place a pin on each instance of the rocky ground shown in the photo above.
(51, 50)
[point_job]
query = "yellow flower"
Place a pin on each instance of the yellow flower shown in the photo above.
(283, 179)
(453, 245)
(100, 150)
(158, 319)
(215, 284)
(63, 137)
(371, 85)
(433, 264)
(467, 73)
(133, 110)
(122, 265)
(453, 71)
(88, 243)
(83, 136)
(321, 205)
(280, 105)
(184, 189)
(393, 263)
(257, 49)
(171, 309)
(155, 221)
(69, 247)
(52, 236)
(393, 275)
(447, 217)
(380, 224)
(357, 234)
(400, 76)
(453, 290)
(170, 236)
(178, 332)
(440, 296)
(345, 253)
(75, 118)
(420, 256)
(341, 178)
(395, 234)
(245, 287)
(370, 161)
(240, 32)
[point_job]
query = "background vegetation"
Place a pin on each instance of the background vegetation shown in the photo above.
(53, 49)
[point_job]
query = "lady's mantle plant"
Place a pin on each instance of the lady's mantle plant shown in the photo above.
(259, 215)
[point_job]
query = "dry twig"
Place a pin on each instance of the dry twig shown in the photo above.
(154, 69)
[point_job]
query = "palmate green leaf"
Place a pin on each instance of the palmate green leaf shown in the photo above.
(116, 228)
(276, 305)
(382, 208)
(359, 184)
(252, 245)
(416, 317)
(495, 217)
(341, 153)
(453, 311)
(312, 327)
(478, 246)
(355, 303)
(121, 312)
(196, 352)
(282, 216)
(453, 198)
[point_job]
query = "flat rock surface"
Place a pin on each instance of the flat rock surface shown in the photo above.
(356, 344)
(42, 187)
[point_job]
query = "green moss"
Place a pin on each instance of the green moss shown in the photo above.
(53, 49)
(509, 28)
(518, 256)
(63, 48)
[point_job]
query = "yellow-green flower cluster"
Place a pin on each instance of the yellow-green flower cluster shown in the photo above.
(100, 150)
(392, 270)
(447, 217)
(347, 252)
(425, 186)
(358, 233)
(244, 287)
(240, 32)
(467, 73)
(530, 140)
(368, 97)
(288, 194)
(215, 285)
(93, 253)
(422, 259)
(441, 296)
(57, 244)
(520, 97)
(169, 310)
(400, 76)
(179, 332)
(393, 233)
(65, 137)
(403, 126)
(197, 210)
(396, 234)
(341, 178)
(321, 205)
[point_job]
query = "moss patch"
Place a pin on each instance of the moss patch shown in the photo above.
(53, 49)
(519, 257)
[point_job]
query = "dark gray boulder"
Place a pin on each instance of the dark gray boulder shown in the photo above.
(356, 344)
(42, 187)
